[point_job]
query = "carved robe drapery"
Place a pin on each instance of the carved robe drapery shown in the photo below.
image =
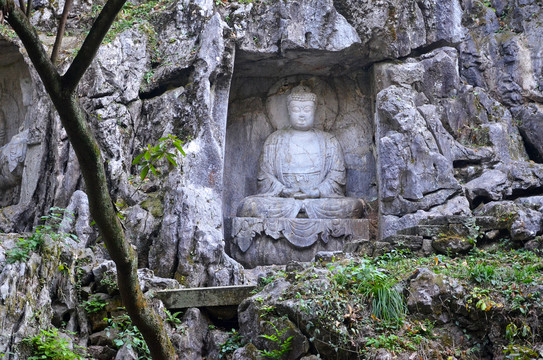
(329, 177)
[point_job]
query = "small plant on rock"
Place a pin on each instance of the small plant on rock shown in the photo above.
(366, 279)
(129, 335)
(234, 342)
(283, 345)
(94, 304)
(49, 344)
(50, 227)
(172, 319)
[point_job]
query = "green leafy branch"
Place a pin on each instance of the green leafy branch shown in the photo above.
(147, 161)
(127, 334)
(284, 345)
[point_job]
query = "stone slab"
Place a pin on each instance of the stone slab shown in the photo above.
(411, 242)
(204, 297)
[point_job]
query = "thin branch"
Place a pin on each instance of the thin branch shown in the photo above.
(91, 44)
(60, 30)
(22, 6)
(28, 8)
(26, 32)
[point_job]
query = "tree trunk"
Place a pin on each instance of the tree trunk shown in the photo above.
(63, 94)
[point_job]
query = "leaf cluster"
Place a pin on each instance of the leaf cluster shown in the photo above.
(50, 227)
(49, 345)
(128, 334)
(94, 304)
(173, 318)
(232, 343)
(148, 159)
(284, 345)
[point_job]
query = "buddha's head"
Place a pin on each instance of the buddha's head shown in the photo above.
(301, 105)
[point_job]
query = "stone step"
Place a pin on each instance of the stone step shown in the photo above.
(176, 299)
(426, 231)
(411, 242)
(493, 223)
(446, 220)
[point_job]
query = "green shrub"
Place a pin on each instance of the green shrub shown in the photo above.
(50, 227)
(50, 345)
(373, 284)
(283, 345)
(94, 304)
(23, 249)
(234, 342)
(128, 334)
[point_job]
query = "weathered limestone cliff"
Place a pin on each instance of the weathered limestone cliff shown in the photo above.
(437, 105)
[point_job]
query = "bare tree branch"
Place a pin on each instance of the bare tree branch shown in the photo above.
(22, 6)
(60, 30)
(91, 44)
(26, 32)
(28, 8)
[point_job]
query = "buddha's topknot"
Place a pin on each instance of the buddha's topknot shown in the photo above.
(301, 93)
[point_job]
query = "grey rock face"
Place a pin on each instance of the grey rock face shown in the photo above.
(190, 342)
(433, 294)
(468, 137)
(500, 52)
(531, 118)
(16, 98)
(297, 27)
(248, 352)
(252, 325)
(78, 210)
(491, 185)
(522, 219)
(414, 173)
(214, 340)
(433, 132)
(410, 25)
(127, 353)
(12, 157)
(26, 302)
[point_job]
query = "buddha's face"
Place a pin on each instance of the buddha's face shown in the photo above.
(301, 114)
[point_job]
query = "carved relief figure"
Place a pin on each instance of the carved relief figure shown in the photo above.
(3, 130)
(301, 170)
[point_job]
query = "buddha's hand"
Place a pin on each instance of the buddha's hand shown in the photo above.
(289, 192)
(312, 194)
(307, 194)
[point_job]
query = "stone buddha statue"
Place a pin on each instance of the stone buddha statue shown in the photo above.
(301, 170)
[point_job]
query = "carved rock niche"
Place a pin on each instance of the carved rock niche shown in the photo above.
(15, 97)
(257, 108)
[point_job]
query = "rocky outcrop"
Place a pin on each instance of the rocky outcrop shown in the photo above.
(28, 302)
(446, 136)
(446, 313)
(437, 105)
